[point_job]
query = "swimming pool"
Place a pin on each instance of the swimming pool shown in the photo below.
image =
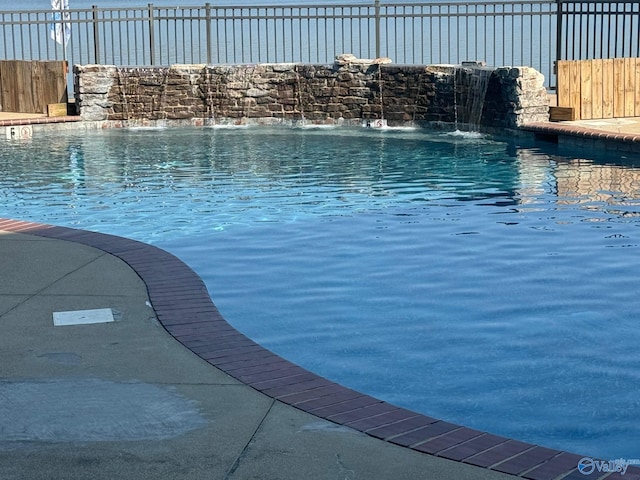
(465, 278)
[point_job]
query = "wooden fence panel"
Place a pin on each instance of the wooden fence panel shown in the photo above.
(629, 87)
(601, 88)
(29, 86)
(575, 95)
(564, 92)
(586, 95)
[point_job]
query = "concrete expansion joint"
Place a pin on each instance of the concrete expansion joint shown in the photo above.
(199, 384)
(99, 254)
(40, 293)
(243, 453)
(26, 300)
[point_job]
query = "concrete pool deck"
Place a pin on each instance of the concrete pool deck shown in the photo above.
(126, 400)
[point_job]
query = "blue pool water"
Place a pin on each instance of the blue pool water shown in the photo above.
(470, 279)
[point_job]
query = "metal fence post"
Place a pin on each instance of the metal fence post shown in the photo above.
(558, 33)
(96, 34)
(152, 35)
(207, 19)
(377, 22)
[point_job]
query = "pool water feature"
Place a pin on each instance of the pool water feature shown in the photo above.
(467, 278)
(473, 83)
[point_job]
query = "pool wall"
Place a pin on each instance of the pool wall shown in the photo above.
(351, 91)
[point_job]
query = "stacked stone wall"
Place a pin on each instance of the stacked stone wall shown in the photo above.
(350, 92)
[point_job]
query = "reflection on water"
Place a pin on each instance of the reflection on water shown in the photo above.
(587, 183)
(409, 166)
(598, 184)
(275, 169)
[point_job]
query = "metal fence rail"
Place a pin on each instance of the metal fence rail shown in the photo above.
(497, 32)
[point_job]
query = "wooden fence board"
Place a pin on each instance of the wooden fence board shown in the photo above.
(585, 91)
(607, 88)
(575, 86)
(55, 90)
(8, 101)
(629, 87)
(637, 96)
(25, 89)
(596, 88)
(29, 86)
(618, 89)
(564, 97)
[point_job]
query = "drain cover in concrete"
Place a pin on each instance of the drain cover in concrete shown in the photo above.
(83, 317)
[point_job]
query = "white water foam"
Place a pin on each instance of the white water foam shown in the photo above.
(314, 126)
(228, 126)
(399, 128)
(137, 128)
(462, 134)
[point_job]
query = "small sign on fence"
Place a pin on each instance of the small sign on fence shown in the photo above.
(19, 132)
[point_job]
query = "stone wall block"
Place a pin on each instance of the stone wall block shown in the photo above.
(265, 100)
(256, 92)
(344, 76)
(324, 72)
(361, 92)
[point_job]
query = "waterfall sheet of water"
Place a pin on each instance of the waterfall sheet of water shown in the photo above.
(377, 122)
(302, 120)
(470, 85)
(381, 97)
(209, 106)
(122, 82)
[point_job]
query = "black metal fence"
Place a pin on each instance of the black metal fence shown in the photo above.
(598, 29)
(531, 32)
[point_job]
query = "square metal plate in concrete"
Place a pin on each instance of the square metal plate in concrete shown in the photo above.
(83, 317)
